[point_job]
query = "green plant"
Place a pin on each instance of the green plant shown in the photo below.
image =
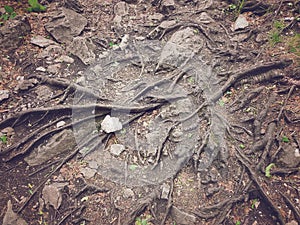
(294, 44)
(285, 139)
(238, 222)
(275, 34)
(242, 146)
(140, 221)
(35, 6)
(254, 201)
(9, 13)
(268, 170)
(3, 139)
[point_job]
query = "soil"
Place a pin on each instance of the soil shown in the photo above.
(236, 160)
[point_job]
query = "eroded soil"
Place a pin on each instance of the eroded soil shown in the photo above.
(210, 126)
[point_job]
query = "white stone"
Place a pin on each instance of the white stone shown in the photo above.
(116, 149)
(111, 124)
(60, 124)
(241, 22)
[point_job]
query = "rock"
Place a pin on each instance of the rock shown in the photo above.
(4, 94)
(182, 217)
(128, 193)
(131, 1)
(211, 191)
(66, 24)
(26, 84)
(165, 191)
(293, 222)
(121, 9)
(167, 6)
(8, 131)
(51, 52)
(116, 149)
(57, 144)
(289, 157)
(180, 47)
(43, 92)
(52, 195)
(54, 68)
(64, 58)
(111, 124)
(156, 17)
(12, 218)
(41, 69)
(88, 172)
(241, 23)
(60, 124)
(41, 41)
(12, 33)
(83, 48)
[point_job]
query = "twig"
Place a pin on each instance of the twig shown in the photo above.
(285, 102)
(80, 208)
(291, 206)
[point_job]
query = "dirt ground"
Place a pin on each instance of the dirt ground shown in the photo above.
(205, 97)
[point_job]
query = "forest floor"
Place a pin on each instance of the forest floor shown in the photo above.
(150, 112)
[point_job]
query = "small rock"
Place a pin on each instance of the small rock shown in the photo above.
(121, 9)
(167, 6)
(88, 172)
(83, 48)
(26, 84)
(4, 94)
(116, 149)
(241, 23)
(165, 191)
(54, 69)
(60, 124)
(8, 131)
(41, 69)
(211, 191)
(66, 24)
(293, 222)
(93, 164)
(43, 92)
(64, 58)
(12, 218)
(288, 157)
(41, 41)
(51, 52)
(182, 217)
(128, 193)
(13, 32)
(111, 124)
(156, 17)
(52, 196)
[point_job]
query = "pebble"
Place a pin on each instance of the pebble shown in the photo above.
(116, 149)
(111, 124)
(60, 124)
(41, 69)
(4, 94)
(128, 193)
(241, 23)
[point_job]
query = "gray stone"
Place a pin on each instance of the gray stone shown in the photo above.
(41, 69)
(51, 52)
(128, 193)
(111, 124)
(88, 172)
(293, 222)
(57, 144)
(156, 17)
(41, 41)
(4, 94)
(66, 24)
(241, 22)
(26, 84)
(182, 217)
(64, 58)
(54, 69)
(121, 9)
(167, 6)
(165, 191)
(289, 157)
(43, 92)
(181, 46)
(116, 149)
(12, 218)
(84, 49)
(52, 195)
(12, 33)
